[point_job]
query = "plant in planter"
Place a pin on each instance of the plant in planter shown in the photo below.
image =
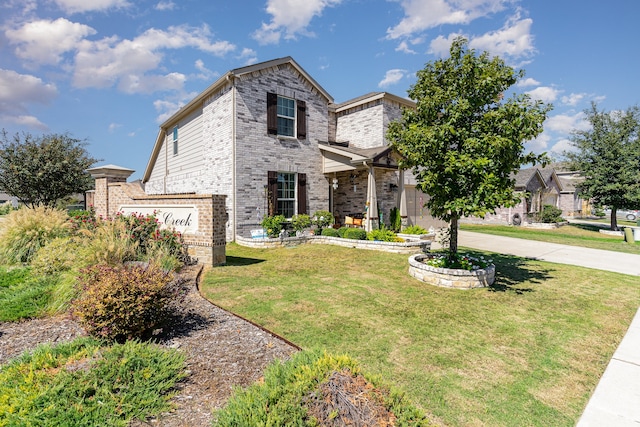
(300, 222)
(464, 141)
(550, 214)
(322, 219)
(273, 225)
(414, 229)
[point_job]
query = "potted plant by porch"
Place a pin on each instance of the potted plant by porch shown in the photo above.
(464, 139)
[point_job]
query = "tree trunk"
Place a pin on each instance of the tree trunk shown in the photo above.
(614, 218)
(453, 236)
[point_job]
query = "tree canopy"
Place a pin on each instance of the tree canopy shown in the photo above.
(464, 141)
(40, 170)
(608, 157)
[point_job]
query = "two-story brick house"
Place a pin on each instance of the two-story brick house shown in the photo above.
(272, 140)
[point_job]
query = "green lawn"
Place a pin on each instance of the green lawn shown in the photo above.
(585, 235)
(528, 351)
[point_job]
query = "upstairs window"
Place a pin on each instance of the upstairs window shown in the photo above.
(175, 141)
(286, 116)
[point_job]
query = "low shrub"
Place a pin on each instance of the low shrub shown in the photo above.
(300, 222)
(273, 225)
(83, 220)
(355, 233)
(25, 231)
(323, 219)
(85, 383)
(395, 220)
(24, 296)
(109, 245)
(341, 231)
(6, 207)
(550, 214)
(292, 391)
(126, 301)
(382, 235)
(414, 229)
(61, 254)
(330, 232)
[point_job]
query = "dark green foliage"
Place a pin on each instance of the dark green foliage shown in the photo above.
(40, 170)
(322, 219)
(341, 231)
(395, 220)
(550, 214)
(280, 399)
(331, 232)
(464, 140)
(83, 219)
(125, 302)
(84, 383)
(608, 157)
(300, 222)
(355, 233)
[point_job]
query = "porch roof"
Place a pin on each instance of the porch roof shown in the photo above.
(339, 157)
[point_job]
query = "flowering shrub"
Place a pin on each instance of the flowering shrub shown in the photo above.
(126, 301)
(457, 261)
(83, 220)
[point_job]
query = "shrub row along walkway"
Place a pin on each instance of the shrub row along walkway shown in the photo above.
(616, 399)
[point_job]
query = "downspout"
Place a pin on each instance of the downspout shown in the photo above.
(233, 149)
(166, 164)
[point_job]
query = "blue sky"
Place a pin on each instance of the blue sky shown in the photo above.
(110, 71)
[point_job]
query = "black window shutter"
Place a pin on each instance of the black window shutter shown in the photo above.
(272, 113)
(302, 193)
(302, 119)
(272, 188)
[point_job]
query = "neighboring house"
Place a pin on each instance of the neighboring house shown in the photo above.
(272, 140)
(538, 187)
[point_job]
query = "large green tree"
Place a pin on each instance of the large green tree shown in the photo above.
(40, 170)
(608, 157)
(464, 141)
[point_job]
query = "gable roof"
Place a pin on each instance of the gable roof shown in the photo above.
(524, 176)
(196, 102)
(369, 97)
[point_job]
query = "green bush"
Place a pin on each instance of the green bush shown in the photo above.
(550, 214)
(285, 394)
(330, 232)
(6, 207)
(22, 295)
(85, 383)
(395, 220)
(25, 231)
(382, 235)
(341, 231)
(273, 225)
(126, 301)
(61, 254)
(83, 220)
(355, 233)
(300, 222)
(323, 219)
(414, 229)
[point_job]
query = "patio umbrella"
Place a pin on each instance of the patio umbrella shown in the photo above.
(372, 201)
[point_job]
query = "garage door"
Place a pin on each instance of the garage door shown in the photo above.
(417, 213)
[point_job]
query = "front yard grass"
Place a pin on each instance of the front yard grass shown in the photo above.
(585, 235)
(528, 351)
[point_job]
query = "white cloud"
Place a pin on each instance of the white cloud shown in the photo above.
(527, 82)
(79, 6)
(404, 47)
(291, 18)
(561, 146)
(514, 39)
(544, 93)
(127, 62)
(167, 107)
(165, 5)
(114, 126)
(392, 77)
(45, 41)
(420, 15)
(249, 56)
(539, 144)
(566, 123)
(573, 99)
(440, 46)
(17, 92)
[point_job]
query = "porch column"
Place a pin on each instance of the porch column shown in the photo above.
(402, 203)
(371, 222)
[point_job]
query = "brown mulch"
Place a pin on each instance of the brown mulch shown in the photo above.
(222, 351)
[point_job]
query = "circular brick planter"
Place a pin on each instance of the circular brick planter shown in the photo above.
(450, 278)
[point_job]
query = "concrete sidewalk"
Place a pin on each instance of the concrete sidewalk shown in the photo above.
(616, 399)
(617, 262)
